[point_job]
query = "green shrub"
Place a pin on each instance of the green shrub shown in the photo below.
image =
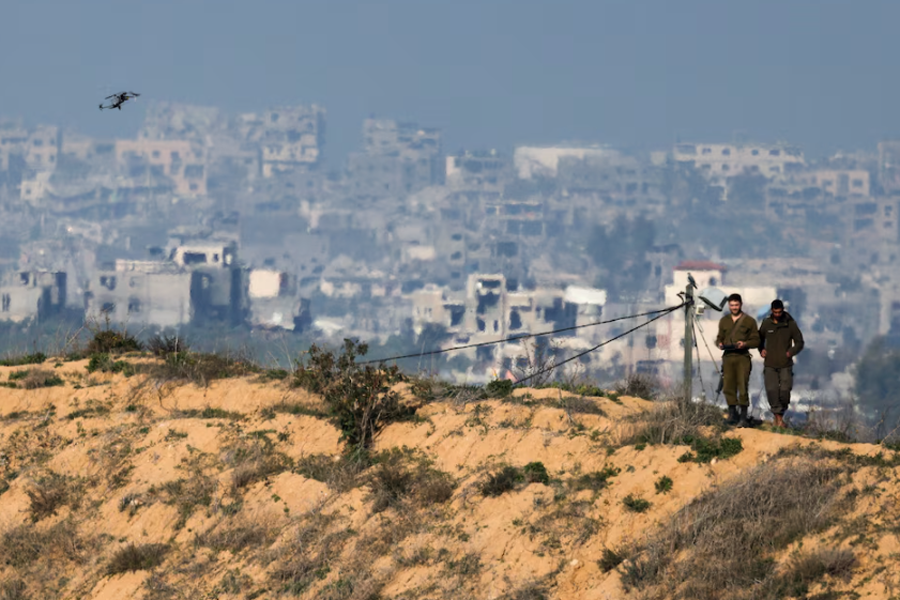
(109, 341)
(594, 481)
(663, 485)
(706, 449)
(359, 397)
(635, 503)
(536, 472)
(499, 388)
(25, 359)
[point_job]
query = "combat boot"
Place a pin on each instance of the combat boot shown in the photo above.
(745, 420)
(732, 415)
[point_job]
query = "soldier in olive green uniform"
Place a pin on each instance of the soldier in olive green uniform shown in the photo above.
(780, 342)
(737, 335)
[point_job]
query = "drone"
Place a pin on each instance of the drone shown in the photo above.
(117, 100)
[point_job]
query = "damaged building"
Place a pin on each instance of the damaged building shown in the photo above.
(28, 295)
(397, 159)
(196, 283)
(290, 138)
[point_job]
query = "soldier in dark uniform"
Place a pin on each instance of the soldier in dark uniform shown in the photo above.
(737, 335)
(780, 341)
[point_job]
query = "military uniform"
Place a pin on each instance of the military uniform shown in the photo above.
(782, 341)
(736, 365)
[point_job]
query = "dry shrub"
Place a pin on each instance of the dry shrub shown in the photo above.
(639, 385)
(671, 422)
(13, 590)
(529, 591)
(394, 481)
(47, 494)
(802, 570)
(500, 482)
(254, 458)
(581, 405)
(40, 378)
(186, 494)
(135, 557)
(163, 345)
(723, 543)
(198, 368)
(841, 423)
(339, 473)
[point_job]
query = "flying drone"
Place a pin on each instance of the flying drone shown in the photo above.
(117, 100)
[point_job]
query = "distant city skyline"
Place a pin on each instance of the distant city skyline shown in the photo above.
(489, 74)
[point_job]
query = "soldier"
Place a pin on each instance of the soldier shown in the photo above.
(737, 335)
(780, 342)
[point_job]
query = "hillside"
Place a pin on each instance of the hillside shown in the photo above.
(119, 485)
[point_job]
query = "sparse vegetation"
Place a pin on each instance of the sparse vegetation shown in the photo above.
(198, 368)
(741, 539)
(594, 481)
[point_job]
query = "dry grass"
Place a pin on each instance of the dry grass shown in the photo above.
(338, 472)
(393, 481)
(723, 544)
(237, 537)
(671, 422)
(639, 385)
(40, 378)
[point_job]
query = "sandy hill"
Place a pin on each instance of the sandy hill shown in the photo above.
(117, 486)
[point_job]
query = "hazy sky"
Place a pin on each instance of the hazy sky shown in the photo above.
(490, 73)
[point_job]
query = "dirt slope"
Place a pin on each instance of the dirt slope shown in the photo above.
(121, 487)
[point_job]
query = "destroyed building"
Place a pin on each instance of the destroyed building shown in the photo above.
(28, 295)
(197, 283)
(290, 138)
(397, 159)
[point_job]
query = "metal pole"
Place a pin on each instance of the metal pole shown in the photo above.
(688, 340)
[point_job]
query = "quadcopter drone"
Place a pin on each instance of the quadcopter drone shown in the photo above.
(117, 100)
